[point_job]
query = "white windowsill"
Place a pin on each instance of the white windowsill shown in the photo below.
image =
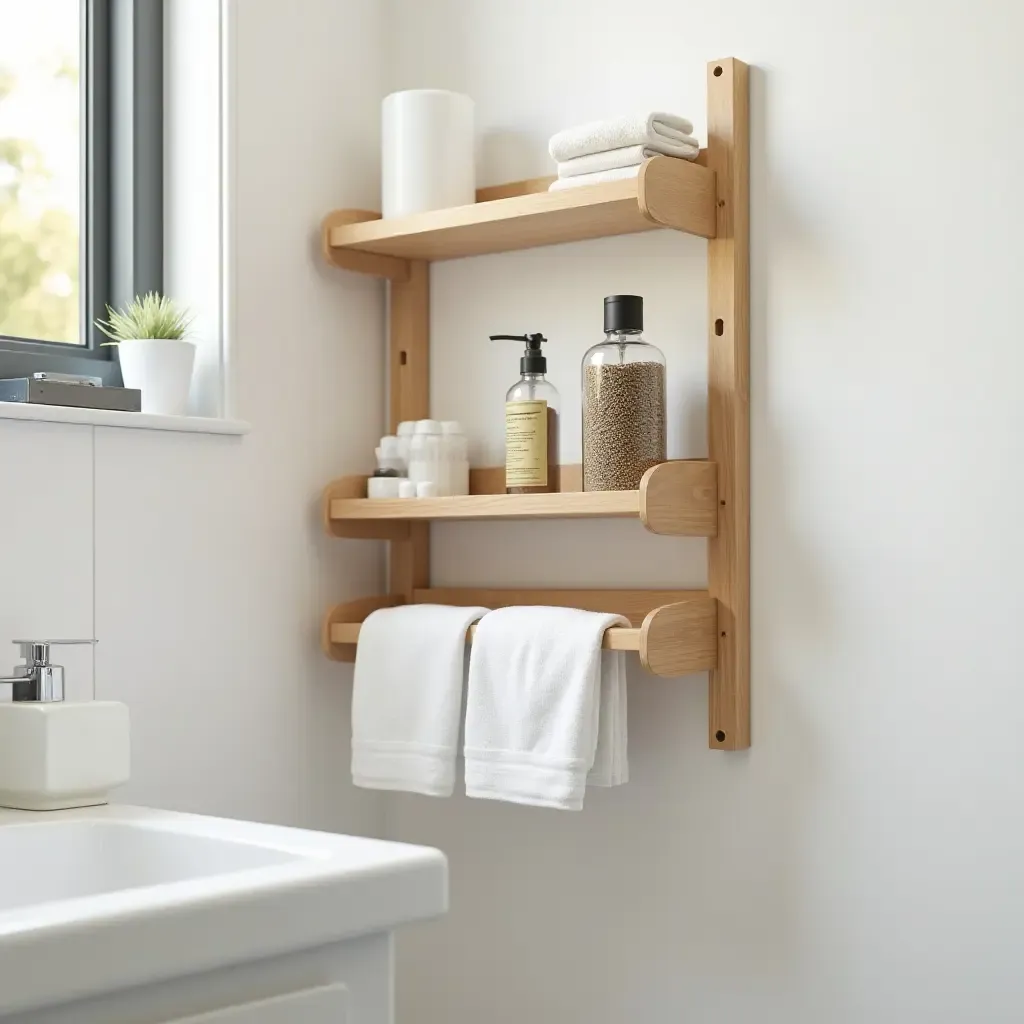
(109, 418)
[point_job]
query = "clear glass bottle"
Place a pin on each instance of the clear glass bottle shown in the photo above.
(624, 408)
(531, 422)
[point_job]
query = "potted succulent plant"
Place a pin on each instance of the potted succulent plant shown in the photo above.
(155, 356)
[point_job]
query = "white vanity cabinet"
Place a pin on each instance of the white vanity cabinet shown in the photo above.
(346, 983)
(134, 916)
(325, 1005)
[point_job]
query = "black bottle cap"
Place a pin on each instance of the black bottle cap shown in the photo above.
(533, 360)
(623, 313)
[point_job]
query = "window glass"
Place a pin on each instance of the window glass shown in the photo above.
(40, 169)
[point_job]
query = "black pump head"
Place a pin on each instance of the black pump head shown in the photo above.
(533, 360)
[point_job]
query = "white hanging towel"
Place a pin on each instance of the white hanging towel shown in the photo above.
(580, 180)
(627, 156)
(407, 697)
(535, 703)
(611, 766)
(665, 133)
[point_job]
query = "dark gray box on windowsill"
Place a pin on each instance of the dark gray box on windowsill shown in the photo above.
(77, 396)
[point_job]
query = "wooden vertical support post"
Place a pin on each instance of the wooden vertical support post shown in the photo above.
(728, 401)
(409, 355)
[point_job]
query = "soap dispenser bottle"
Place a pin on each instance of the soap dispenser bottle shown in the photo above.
(531, 422)
(55, 755)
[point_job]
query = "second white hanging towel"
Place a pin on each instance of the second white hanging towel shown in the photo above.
(534, 707)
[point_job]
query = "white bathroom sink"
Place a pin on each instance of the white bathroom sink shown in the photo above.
(105, 898)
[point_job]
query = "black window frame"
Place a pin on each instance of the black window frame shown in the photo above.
(121, 219)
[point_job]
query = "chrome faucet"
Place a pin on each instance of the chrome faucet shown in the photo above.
(37, 680)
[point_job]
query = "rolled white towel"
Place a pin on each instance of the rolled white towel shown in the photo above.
(627, 156)
(664, 133)
(597, 178)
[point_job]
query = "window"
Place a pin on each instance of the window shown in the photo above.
(81, 112)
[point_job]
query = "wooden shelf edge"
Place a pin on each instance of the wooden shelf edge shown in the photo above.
(671, 199)
(354, 488)
(680, 638)
(347, 614)
(680, 498)
(391, 267)
(580, 505)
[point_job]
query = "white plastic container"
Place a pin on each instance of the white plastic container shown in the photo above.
(389, 455)
(455, 457)
(384, 486)
(405, 431)
(425, 461)
(428, 159)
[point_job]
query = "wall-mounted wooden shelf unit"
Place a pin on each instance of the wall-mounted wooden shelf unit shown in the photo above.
(674, 632)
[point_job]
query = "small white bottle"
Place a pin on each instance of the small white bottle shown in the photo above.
(456, 458)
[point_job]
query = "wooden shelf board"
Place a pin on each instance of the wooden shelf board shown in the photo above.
(573, 505)
(676, 498)
(668, 192)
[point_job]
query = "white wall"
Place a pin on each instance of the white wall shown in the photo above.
(199, 560)
(862, 862)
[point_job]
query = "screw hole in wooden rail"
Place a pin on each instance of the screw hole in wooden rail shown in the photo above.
(718, 71)
(719, 327)
(720, 736)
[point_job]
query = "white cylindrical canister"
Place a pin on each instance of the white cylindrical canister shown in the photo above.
(428, 157)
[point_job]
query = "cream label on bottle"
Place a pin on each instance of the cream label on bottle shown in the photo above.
(526, 444)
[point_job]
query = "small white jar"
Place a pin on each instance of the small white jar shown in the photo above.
(405, 431)
(455, 457)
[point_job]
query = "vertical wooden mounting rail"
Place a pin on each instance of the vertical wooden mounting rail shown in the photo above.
(728, 401)
(409, 356)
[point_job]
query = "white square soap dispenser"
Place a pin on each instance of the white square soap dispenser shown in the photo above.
(55, 755)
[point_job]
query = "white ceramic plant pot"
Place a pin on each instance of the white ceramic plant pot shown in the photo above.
(161, 368)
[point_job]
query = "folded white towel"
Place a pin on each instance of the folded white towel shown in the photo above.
(627, 156)
(534, 705)
(579, 180)
(407, 697)
(664, 133)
